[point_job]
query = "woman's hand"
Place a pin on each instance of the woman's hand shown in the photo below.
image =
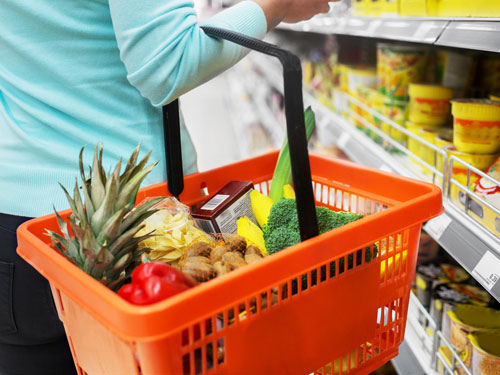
(291, 11)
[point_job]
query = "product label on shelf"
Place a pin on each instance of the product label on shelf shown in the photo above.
(487, 270)
(437, 226)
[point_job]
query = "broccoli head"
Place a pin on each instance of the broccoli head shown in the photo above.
(282, 228)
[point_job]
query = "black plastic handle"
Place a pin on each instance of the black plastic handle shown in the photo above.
(296, 131)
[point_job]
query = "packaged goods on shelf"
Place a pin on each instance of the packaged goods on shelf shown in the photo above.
(449, 8)
(467, 319)
(445, 352)
(431, 135)
(446, 296)
(476, 125)
(398, 66)
(429, 104)
(427, 275)
(396, 111)
(459, 171)
(412, 8)
(361, 77)
(490, 192)
(428, 249)
(463, 8)
(485, 353)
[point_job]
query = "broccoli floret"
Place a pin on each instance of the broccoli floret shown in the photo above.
(281, 238)
(282, 228)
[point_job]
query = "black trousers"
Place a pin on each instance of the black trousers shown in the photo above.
(32, 338)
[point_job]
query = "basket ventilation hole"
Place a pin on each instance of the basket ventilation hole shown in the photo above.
(220, 351)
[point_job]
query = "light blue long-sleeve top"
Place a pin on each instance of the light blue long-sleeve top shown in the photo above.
(79, 72)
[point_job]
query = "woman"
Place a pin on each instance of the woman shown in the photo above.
(79, 72)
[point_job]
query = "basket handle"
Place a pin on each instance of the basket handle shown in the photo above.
(294, 113)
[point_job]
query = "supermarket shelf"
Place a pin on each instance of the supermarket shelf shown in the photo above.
(406, 359)
(473, 34)
(467, 241)
(411, 30)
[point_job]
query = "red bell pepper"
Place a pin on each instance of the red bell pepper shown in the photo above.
(153, 282)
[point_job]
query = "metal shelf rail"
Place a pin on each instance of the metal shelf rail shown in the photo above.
(478, 34)
(457, 231)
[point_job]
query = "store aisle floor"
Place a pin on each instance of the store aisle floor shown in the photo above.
(208, 121)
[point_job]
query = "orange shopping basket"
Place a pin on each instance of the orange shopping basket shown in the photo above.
(334, 304)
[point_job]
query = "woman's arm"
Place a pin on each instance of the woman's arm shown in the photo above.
(167, 54)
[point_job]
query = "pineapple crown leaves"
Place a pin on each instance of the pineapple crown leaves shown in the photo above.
(104, 224)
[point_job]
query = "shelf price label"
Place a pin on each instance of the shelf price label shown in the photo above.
(437, 226)
(487, 271)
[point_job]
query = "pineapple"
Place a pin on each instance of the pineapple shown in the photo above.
(104, 226)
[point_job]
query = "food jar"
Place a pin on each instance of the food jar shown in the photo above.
(467, 319)
(429, 104)
(479, 161)
(485, 352)
(399, 65)
(476, 125)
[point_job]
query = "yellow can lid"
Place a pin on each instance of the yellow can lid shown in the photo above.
(418, 90)
(487, 341)
(476, 109)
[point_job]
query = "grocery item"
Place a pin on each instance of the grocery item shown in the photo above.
(429, 104)
(282, 229)
(426, 153)
(447, 295)
(398, 66)
(442, 140)
(447, 356)
(454, 273)
(174, 231)
(153, 282)
(468, 319)
(428, 249)
(479, 161)
(495, 97)
(462, 8)
(485, 352)
(455, 70)
(220, 212)
(476, 125)
(283, 172)
(361, 77)
(228, 252)
(490, 192)
(427, 275)
(429, 155)
(261, 206)
(106, 238)
(396, 111)
(251, 233)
